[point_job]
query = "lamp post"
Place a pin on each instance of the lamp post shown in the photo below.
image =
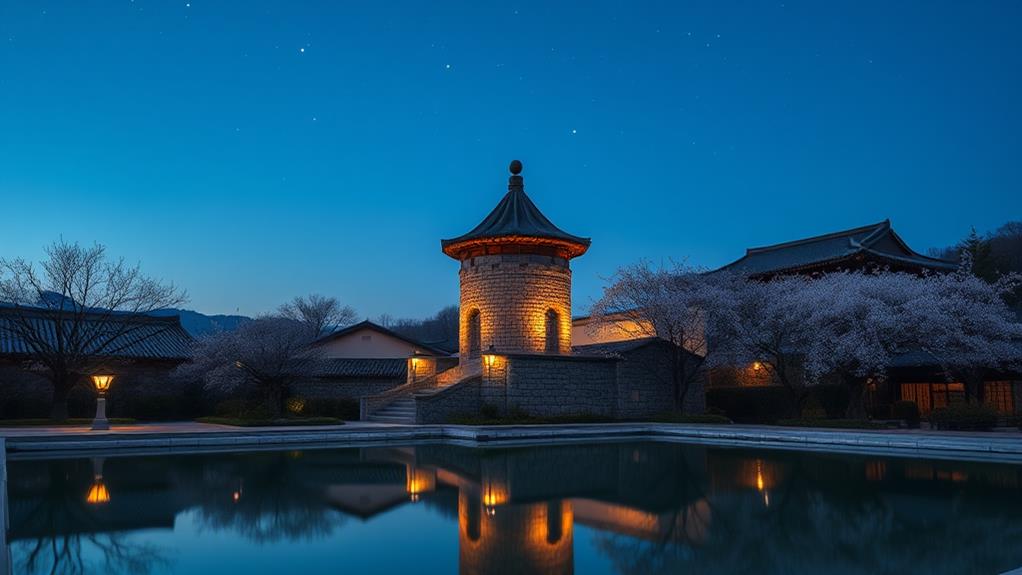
(102, 384)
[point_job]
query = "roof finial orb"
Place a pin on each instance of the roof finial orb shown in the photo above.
(515, 167)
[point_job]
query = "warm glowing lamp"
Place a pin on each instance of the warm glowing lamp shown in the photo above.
(490, 356)
(756, 366)
(102, 384)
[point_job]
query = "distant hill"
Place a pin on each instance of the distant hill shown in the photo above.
(197, 324)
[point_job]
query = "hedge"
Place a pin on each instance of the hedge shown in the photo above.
(965, 416)
(764, 404)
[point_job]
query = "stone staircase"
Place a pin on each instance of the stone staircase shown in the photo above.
(401, 410)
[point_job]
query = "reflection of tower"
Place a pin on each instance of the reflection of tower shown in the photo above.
(519, 538)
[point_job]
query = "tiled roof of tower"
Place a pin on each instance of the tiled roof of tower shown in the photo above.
(517, 216)
(877, 242)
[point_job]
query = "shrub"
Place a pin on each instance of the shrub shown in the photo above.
(906, 411)
(964, 416)
(750, 404)
(337, 407)
(832, 398)
(155, 407)
(242, 409)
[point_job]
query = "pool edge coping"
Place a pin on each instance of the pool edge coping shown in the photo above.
(1006, 449)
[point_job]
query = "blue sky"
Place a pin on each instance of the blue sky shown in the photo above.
(253, 151)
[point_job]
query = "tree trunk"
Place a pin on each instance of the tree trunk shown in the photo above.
(62, 385)
(856, 398)
(973, 387)
(275, 401)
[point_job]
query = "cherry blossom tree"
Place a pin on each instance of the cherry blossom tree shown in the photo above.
(668, 303)
(859, 322)
(968, 328)
(767, 323)
(268, 354)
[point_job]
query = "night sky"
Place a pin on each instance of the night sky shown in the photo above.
(253, 151)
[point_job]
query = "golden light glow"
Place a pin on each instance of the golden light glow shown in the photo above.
(102, 382)
(419, 481)
(494, 494)
(756, 366)
(489, 359)
(98, 493)
(296, 405)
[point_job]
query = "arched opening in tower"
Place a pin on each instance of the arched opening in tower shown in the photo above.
(474, 333)
(553, 332)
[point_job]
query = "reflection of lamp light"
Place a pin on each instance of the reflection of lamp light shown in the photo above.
(419, 481)
(98, 493)
(494, 494)
(102, 384)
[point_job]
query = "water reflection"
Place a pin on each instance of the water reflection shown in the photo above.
(644, 508)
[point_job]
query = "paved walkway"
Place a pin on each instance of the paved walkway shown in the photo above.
(190, 436)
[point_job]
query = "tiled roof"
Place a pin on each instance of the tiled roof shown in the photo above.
(142, 338)
(613, 347)
(877, 242)
(516, 215)
(426, 348)
(368, 368)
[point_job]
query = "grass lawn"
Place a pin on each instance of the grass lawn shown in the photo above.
(71, 422)
(240, 422)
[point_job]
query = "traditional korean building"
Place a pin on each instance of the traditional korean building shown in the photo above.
(876, 246)
(913, 376)
(141, 358)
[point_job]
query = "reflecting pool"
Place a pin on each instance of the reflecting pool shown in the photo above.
(628, 508)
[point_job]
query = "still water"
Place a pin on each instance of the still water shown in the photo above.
(628, 508)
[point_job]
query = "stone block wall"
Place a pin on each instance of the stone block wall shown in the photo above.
(343, 388)
(646, 387)
(441, 405)
(552, 385)
(513, 293)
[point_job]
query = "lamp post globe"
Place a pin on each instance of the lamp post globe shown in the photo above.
(102, 383)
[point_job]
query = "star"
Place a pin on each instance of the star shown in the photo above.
(302, 50)
(574, 131)
(447, 66)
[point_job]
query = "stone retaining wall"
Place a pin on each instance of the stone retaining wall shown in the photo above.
(440, 406)
(555, 385)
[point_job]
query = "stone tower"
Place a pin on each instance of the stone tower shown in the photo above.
(515, 279)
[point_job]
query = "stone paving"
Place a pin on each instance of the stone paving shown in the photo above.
(190, 436)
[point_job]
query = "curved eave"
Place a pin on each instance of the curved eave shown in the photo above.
(460, 248)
